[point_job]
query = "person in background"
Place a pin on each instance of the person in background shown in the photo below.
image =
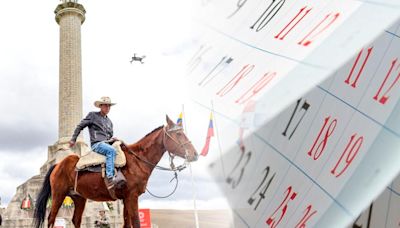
(102, 221)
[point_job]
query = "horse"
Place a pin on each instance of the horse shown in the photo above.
(141, 159)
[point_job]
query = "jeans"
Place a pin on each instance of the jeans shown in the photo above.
(108, 151)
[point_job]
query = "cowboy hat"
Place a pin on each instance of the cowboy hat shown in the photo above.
(103, 100)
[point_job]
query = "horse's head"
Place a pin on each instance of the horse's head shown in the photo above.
(176, 142)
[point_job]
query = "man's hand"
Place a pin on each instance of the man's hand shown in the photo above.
(112, 140)
(71, 143)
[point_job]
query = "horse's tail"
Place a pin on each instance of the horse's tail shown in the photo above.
(42, 198)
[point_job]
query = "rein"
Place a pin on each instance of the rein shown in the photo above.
(173, 191)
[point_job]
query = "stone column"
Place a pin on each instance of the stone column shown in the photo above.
(70, 16)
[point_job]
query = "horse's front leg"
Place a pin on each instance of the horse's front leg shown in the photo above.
(131, 207)
(135, 215)
(79, 203)
(127, 220)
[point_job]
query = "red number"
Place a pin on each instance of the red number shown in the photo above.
(306, 217)
(302, 13)
(321, 146)
(385, 96)
(351, 154)
(259, 85)
(232, 83)
(354, 83)
(271, 221)
(308, 39)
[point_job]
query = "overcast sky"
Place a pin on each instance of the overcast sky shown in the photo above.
(112, 32)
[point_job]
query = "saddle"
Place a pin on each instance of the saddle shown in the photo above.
(90, 160)
(95, 162)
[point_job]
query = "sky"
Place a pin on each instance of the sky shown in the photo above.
(144, 93)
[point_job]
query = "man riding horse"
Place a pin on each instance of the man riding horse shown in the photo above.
(101, 136)
(142, 157)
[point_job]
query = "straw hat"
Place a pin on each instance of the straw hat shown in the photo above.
(103, 100)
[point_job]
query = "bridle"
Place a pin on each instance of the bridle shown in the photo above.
(171, 156)
(172, 168)
(179, 144)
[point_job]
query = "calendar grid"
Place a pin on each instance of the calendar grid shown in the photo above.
(273, 53)
(263, 50)
(393, 191)
(302, 171)
(388, 207)
(362, 113)
(391, 33)
(308, 176)
(290, 162)
(378, 3)
(243, 220)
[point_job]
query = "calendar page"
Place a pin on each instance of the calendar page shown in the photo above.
(305, 114)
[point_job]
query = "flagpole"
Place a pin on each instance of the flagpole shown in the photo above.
(196, 216)
(219, 143)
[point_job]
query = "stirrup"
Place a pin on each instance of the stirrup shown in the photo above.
(119, 180)
(110, 185)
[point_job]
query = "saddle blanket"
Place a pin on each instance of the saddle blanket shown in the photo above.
(92, 158)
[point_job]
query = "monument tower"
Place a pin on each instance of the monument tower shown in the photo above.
(70, 15)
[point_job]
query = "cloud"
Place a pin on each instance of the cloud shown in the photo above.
(22, 137)
(16, 169)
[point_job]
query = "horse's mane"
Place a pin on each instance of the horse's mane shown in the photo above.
(156, 129)
(143, 142)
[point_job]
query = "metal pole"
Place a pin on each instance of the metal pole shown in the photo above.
(196, 216)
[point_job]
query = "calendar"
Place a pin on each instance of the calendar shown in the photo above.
(304, 97)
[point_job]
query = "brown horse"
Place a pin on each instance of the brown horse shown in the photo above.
(141, 159)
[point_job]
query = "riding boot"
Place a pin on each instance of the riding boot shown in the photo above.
(119, 180)
(110, 182)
